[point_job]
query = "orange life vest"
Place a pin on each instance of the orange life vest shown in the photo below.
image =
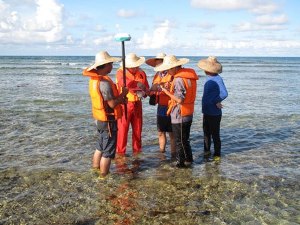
(189, 78)
(162, 97)
(98, 108)
(140, 76)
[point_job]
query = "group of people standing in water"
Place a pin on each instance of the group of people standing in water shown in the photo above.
(116, 106)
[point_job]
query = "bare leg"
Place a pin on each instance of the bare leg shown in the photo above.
(162, 139)
(104, 166)
(96, 159)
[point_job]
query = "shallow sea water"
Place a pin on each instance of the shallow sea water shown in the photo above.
(47, 137)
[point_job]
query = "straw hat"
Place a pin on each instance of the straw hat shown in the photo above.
(170, 61)
(132, 61)
(210, 64)
(151, 61)
(102, 58)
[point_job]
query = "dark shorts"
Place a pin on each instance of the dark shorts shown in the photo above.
(164, 124)
(107, 138)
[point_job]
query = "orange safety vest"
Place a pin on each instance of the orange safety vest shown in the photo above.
(98, 108)
(163, 98)
(140, 76)
(189, 78)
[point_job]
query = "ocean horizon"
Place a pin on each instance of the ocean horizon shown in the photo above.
(47, 139)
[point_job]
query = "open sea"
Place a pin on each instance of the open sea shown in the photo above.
(47, 139)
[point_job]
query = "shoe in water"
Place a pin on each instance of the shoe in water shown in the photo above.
(217, 158)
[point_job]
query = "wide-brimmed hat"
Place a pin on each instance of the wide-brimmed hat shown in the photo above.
(132, 61)
(151, 61)
(170, 61)
(210, 64)
(102, 58)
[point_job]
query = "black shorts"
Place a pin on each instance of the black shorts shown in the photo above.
(164, 124)
(107, 138)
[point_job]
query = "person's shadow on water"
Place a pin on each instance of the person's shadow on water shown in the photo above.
(127, 165)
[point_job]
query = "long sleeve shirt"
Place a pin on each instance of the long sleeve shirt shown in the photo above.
(214, 92)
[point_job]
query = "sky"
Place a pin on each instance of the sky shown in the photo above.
(179, 27)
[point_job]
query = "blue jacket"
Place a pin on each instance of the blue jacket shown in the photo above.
(214, 92)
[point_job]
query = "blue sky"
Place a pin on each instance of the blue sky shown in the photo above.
(179, 27)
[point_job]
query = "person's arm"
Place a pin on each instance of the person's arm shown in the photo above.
(219, 105)
(173, 97)
(223, 90)
(108, 94)
(155, 87)
(179, 96)
(119, 99)
(223, 93)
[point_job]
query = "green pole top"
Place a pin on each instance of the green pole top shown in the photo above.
(122, 37)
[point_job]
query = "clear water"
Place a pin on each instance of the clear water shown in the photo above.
(47, 139)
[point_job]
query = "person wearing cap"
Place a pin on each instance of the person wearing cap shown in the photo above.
(213, 94)
(137, 83)
(181, 106)
(163, 120)
(106, 108)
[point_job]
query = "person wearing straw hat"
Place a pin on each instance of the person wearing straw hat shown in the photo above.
(106, 109)
(181, 106)
(137, 84)
(214, 93)
(160, 98)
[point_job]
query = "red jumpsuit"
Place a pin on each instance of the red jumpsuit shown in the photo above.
(134, 111)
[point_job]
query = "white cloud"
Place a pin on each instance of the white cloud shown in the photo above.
(257, 44)
(264, 22)
(255, 6)
(100, 28)
(247, 47)
(3, 6)
(249, 27)
(8, 18)
(272, 20)
(265, 9)
(245, 26)
(265, 19)
(69, 39)
(9, 22)
(202, 25)
(221, 4)
(103, 40)
(159, 38)
(126, 13)
(211, 36)
(22, 27)
(83, 42)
